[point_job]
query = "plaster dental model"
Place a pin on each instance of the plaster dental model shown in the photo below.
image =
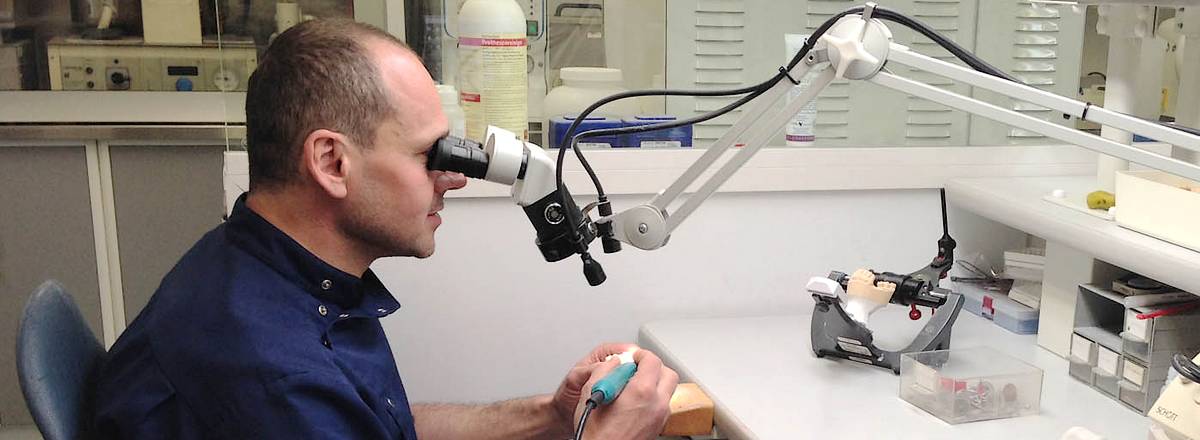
(864, 297)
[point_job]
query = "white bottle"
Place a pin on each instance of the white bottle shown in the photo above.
(583, 86)
(800, 131)
(453, 111)
(492, 59)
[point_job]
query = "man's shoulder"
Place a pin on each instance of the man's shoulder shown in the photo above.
(222, 323)
(220, 302)
(217, 279)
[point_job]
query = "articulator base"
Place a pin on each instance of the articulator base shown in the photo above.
(835, 334)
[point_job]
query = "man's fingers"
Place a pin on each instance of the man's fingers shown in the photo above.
(580, 374)
(667, 383)
(598, 372)
(649, 369)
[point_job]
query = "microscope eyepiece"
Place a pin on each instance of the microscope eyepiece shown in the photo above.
(459, 155)
(562, 228)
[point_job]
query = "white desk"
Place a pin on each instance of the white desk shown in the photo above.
(767, 384)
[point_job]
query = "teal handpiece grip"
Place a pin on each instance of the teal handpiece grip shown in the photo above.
(612, 384)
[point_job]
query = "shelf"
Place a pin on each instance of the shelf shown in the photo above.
(1017, 202)
(1102, 336)
(1105, 293)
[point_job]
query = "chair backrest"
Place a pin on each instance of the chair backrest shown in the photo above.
(57, 360)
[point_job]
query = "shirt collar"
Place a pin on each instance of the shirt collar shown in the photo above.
(353, 296)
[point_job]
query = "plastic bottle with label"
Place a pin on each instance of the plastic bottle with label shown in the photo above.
(800, 130)
(492, 60)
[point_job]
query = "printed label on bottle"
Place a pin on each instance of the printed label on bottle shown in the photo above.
(493, 83)
(662, 144)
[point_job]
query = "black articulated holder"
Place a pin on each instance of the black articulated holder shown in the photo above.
(834, 333)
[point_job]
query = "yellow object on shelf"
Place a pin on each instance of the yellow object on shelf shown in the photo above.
(1101, 200)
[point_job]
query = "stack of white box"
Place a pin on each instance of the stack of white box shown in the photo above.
(13, 65)
(1025, 267)
(1149, 344)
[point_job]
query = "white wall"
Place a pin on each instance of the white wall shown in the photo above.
(486, 318)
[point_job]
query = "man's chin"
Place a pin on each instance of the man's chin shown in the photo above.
(424, 253)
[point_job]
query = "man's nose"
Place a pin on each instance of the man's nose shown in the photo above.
(447, 181)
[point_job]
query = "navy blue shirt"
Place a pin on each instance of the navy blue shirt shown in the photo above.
(252, 336)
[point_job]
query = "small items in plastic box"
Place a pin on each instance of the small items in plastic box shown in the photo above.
(966, 385)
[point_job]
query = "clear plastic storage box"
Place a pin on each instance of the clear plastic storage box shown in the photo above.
(965, 385)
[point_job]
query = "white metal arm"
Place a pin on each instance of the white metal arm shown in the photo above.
(858, 49)
(902, 55)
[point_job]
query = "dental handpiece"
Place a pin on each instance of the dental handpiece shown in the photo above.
(606, 390)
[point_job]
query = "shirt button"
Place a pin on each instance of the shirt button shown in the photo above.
(322, 310)
(326, 285)
(344, 316)
(325, 342)
(389, 402)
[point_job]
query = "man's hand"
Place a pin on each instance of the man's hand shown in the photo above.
(638, 413)
(641, 410)
(570, 391)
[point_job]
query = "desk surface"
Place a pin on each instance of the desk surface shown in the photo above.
(766, 383)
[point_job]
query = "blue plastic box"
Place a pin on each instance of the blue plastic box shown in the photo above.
(559, 126)
(998, 307)
(678, 137)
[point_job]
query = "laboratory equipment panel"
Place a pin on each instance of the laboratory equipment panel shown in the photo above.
(130, 64)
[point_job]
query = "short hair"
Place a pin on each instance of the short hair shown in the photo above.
(317, 74)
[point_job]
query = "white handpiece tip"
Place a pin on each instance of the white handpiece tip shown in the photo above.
(624, 358)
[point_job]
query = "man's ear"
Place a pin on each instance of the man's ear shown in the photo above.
(327, 159)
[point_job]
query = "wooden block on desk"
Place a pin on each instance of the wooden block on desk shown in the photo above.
(691, 412)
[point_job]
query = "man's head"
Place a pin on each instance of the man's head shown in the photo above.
(341, 114)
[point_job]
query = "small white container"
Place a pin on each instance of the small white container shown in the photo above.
(1025, 264)
(454, 112)
(583, 86)
(1156, 204)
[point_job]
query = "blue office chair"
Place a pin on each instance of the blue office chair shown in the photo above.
(57, 360)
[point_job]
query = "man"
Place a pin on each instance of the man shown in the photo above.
(269, 326)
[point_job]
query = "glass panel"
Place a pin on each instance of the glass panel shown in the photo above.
(725, 44)
(248, 27)
(257, 22)
(25, 25)
(605, 46)
(138, 49)
(108, 45)
(134, 46)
